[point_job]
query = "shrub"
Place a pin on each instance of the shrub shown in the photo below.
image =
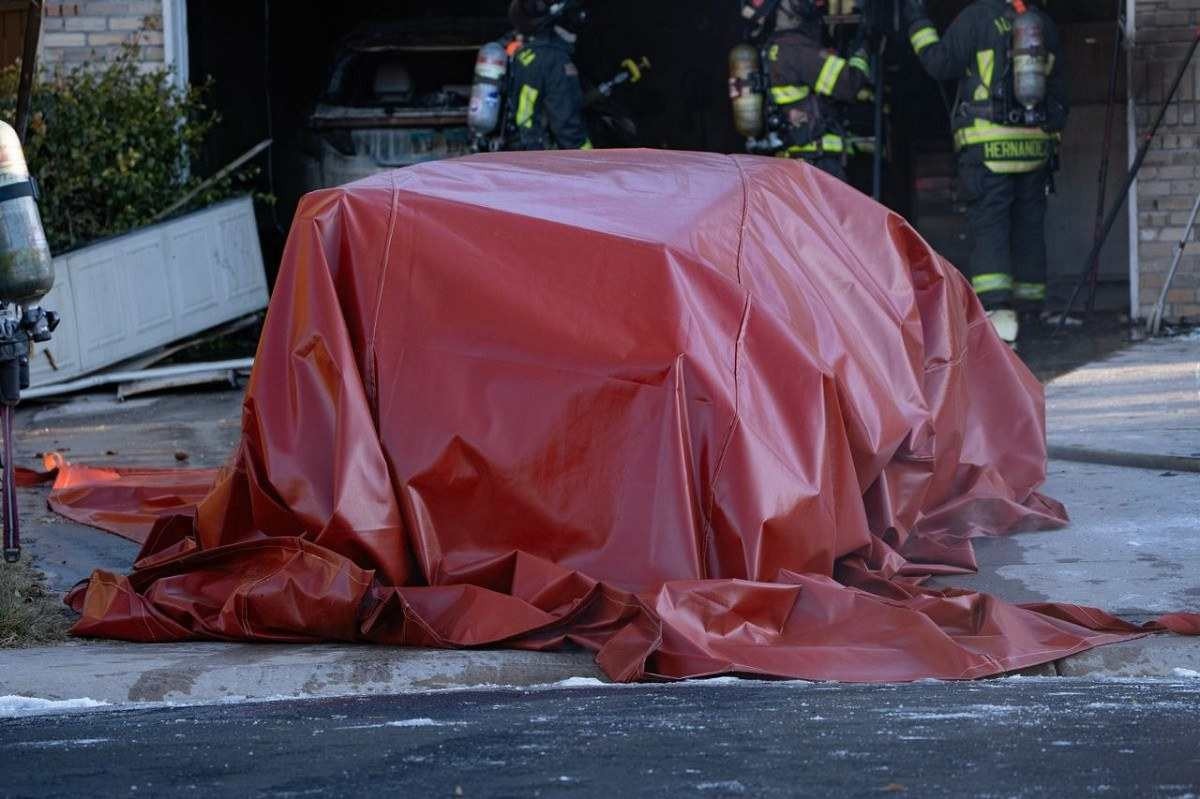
(111, 146)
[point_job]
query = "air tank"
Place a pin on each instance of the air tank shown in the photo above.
(745, 64)
(26, 268)
(1029, 60)
(487, 94)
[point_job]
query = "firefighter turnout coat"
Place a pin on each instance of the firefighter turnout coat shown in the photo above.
(545, 109)
(975, 50)
(806, 80)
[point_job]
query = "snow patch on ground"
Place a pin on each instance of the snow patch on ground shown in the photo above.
(1191, 673)
(12, 707)
(421, 722)
(731, 680)
(695, 682)
(580, 682)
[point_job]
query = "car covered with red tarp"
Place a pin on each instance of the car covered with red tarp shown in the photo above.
(700, 414)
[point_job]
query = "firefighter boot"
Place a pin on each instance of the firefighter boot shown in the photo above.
(1004, 320)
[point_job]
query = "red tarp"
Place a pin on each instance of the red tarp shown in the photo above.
(700, 414)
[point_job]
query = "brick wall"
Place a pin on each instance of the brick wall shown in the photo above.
(1170, 179)
(94, 30)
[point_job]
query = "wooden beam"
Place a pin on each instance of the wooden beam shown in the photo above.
(33, 31)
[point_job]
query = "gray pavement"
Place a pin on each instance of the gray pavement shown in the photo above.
(146, 431)
(1142, 400)
(1133, 546)
(1006, 738)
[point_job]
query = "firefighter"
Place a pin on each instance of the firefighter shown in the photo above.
(1006, 146)
(807, 81)
(545, 107)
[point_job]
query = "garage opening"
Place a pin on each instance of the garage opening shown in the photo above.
(287, 70)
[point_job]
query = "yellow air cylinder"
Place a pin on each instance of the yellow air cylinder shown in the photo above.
(745, 63)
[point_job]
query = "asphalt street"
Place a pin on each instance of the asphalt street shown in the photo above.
(1023, 737)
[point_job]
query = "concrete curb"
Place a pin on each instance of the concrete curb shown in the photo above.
(122, 674)
(131, 674)
(1130, 460)
(1156, 656)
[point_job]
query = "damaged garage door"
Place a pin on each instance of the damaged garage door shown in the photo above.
(129, 294)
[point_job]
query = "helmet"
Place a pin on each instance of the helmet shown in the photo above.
(759, 16)
(793, 12)
(533, 16)
(758, 10)
(765, 16)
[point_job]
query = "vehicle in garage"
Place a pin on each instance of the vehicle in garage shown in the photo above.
(396, 95)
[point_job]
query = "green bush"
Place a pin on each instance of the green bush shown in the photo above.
(111, 145)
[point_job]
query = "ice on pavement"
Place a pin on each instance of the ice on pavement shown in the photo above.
(12, 707)
(66, 743)
(697, 682)
(725, 786)
(969, 712)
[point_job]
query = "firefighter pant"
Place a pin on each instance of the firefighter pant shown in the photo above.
(831, 164)
(1007, 219)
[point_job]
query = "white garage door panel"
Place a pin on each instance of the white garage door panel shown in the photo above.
(243, 281)
(131, 294)
(145, 285)
(193, 276)
(98, 305)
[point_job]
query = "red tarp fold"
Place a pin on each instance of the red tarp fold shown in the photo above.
(697, 413)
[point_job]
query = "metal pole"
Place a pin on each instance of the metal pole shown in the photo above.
(1130, 178)
(33, 31)
(12, 524)
(1109, 116)
(1155, 321)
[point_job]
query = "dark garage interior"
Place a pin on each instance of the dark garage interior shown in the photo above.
(269, 63)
